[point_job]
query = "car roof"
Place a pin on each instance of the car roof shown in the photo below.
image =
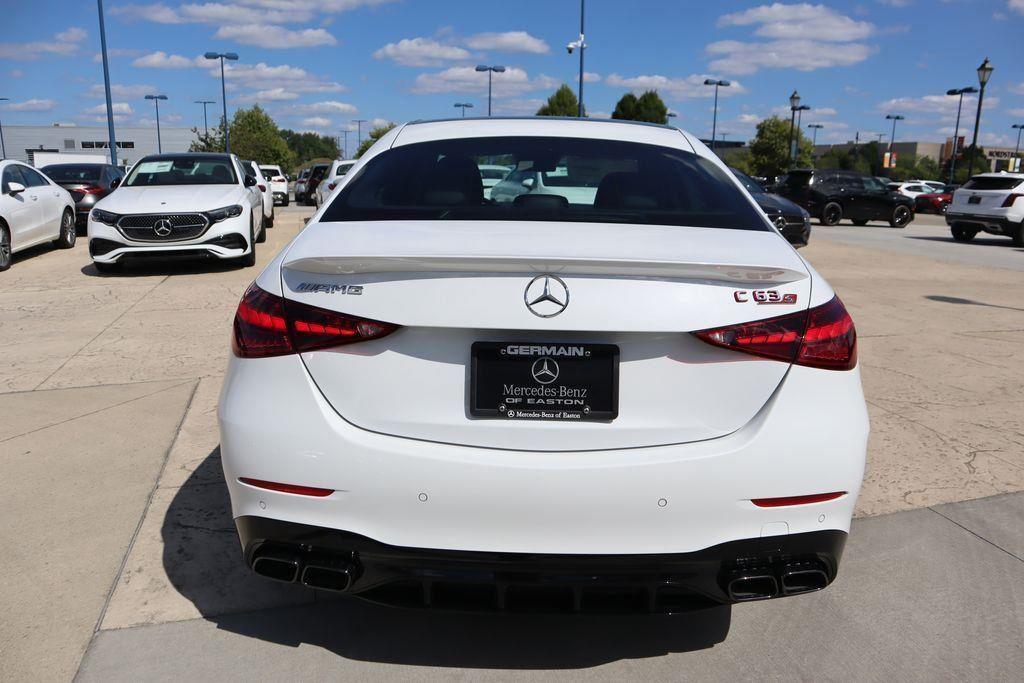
(999, 174)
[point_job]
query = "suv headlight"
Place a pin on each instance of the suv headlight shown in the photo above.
(218, 215)
(105, 217)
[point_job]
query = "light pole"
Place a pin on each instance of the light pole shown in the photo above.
(880, 136)
(714, 117)
(344, 148)
(956, 131)
(794, 102)
(581, 46)
(892, 138)
(231, 57)
(3, 149)
(359, 131)
(1016, 150)
(984, 73)
(106, 86)
(814, 136)
(495, 69)
(206, 124)
(464, 106)
(156, 101)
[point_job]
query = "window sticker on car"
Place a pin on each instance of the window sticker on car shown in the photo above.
(155, 166)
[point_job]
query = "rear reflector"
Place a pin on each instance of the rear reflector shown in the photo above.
(822, 337)
(267, 325)
(287, 488)
(796, 500)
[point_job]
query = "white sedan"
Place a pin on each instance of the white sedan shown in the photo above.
(278, 183)
(190, 204)
(334, 176)
(33, 210)
(642, 398)
(263, 185)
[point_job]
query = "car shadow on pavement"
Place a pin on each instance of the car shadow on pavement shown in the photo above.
(979, 242)
(202, 559)
(942, 299)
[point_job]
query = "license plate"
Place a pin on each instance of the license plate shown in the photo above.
(974, 200)
(544, 381)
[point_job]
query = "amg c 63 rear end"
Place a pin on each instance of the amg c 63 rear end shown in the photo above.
(614, 389)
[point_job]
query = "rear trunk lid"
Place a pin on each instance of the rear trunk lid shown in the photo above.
(450, 285)
(985, 194)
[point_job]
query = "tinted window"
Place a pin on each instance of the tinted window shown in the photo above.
(852, 182)
(12, 174)
(992, 183)
(62, 173)
(748, 182)
(182, 170)
(269, 172)
(873, 185)
(796, 180)
(584, 180)
(32, 177)
(343, 169)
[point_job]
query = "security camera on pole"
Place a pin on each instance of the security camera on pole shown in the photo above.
(581, 46)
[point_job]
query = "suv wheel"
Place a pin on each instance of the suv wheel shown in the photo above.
(1018, 235)
(961, 234)
(832, 213)
(270, 223)
(901, 216)
(5, 247)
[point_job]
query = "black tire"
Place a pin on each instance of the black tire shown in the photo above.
(901, 216)
(961, 234)
(285, 202)
(1018, 236)
(860, 221)
(262, 237)
(270, 223)
(68, 231)
(832, 213)
(5, 247)
(107, 267)
(249, 260)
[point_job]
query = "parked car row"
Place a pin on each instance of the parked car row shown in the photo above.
(33, 210)
(835, 195)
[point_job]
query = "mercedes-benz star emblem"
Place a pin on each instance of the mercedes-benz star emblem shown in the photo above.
(546, 296)
(545, 370)
(163, 227)
(780, 222)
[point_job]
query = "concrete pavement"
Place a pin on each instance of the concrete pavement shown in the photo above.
(108, 388)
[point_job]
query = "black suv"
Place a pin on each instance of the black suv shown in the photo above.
(831, 196)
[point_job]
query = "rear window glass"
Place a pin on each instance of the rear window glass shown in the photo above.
(555, 179)
(992, 183)
(64, 173)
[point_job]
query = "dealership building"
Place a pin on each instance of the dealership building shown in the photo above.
(999, 158)
(133, 143)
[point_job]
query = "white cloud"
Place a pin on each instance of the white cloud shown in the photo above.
(591, 77)
(15, 73)
(275, 37)
(31, 105)
(514, 107)
(122, 108)
(162, 60)
(421, 52)
(279, 94)
(1016, 5)
(62, 44)
(513, 82)
(737, 57)
(509, 41)
(679, 88)
(942, 107)
(261, 76)
(228, 12)
(328, 107)
(116, 52)
(748, 119)
(1015, 112)
(123, 92)
(1019, 87)
(798, 22)
(316, 122)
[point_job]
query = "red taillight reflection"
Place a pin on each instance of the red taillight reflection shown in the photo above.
(796, 500)
(267, 325)
(822, 337)
(287, 488)
(1010, 199)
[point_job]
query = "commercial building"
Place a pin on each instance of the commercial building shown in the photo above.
(999, 158)
(133, 143)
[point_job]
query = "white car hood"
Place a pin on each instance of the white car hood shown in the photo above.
(171, 198)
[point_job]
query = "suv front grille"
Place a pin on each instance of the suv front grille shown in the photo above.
(162, 227)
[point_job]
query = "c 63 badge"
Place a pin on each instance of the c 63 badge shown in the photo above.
(763, 296)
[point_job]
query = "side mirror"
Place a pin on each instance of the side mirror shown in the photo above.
(528, 183)
(115, 183)
(250, 181)
(15, 188)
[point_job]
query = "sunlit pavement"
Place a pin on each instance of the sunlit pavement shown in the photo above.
(119, 545)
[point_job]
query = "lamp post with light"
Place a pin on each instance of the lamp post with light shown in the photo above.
(3, 149)
(231, 57)
(206, 123)
(463, 106)
(714, 116)
(493, 69)
(1016, 150)
(984, 73)
(156, 101)
(956, 131)
(892, 138)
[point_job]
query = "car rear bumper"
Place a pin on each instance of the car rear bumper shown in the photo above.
(997, 224)
(735, 571)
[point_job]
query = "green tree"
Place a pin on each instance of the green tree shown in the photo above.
(648, 107)
(625, 108)
(209, 142)
(865, 158)
(963, 162)
(769, 150)
(373, 136)
(562, 103)
(308, 146)
(254, 135)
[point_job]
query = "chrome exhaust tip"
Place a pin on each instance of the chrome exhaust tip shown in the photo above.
(752, 587)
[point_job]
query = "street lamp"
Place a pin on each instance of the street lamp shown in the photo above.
(795, 109)
(714, 118)
(344, 147)
(156, 101)
(206, 124)
(575, 45)
(956, 131)
(984, 73)
(892, 138)
(496, 69)
(3, 149)
(359, 131)
(1016, 150)
(814, 136)
(231, 57)
(464, 106)
(106, 85)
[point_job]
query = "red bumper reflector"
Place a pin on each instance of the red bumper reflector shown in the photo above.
(796, 500)
(287, 488)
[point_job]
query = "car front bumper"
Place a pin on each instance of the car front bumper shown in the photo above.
(225, 239)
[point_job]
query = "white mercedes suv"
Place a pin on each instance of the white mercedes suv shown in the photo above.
(189, 204)
(640, 401)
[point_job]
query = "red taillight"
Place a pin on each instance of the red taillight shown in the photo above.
(1010, 199)
(796, 500)
(263, 188)
(331, 185)
(822, 337)
(287, 488)
(267, 325)
(91, 189)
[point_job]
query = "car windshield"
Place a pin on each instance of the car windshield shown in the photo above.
(182, 170)
(980, 182)
(69, 173)
(556, 179)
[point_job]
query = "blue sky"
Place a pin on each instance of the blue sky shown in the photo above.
(318, 64)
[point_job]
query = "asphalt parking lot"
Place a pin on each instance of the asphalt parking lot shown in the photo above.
(121, 561)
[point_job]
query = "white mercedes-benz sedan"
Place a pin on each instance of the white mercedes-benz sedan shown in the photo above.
(643, 401)
(189, 204)
(33, 210)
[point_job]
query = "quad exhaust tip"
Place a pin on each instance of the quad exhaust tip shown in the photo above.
(323, 572)
(753, 587)
(789, 579)
(279, 568)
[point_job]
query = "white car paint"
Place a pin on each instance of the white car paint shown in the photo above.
(278, 183)
(989, 202)
(155, 201)
(913, 189)
(384, 425)
(332, 180)
(265, 191)
(32, 209)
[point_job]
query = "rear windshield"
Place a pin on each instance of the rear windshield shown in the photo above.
(269, 172)
(343, 169)
(182, 170)
(65, 173)
(987, 183)
(555, 179)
